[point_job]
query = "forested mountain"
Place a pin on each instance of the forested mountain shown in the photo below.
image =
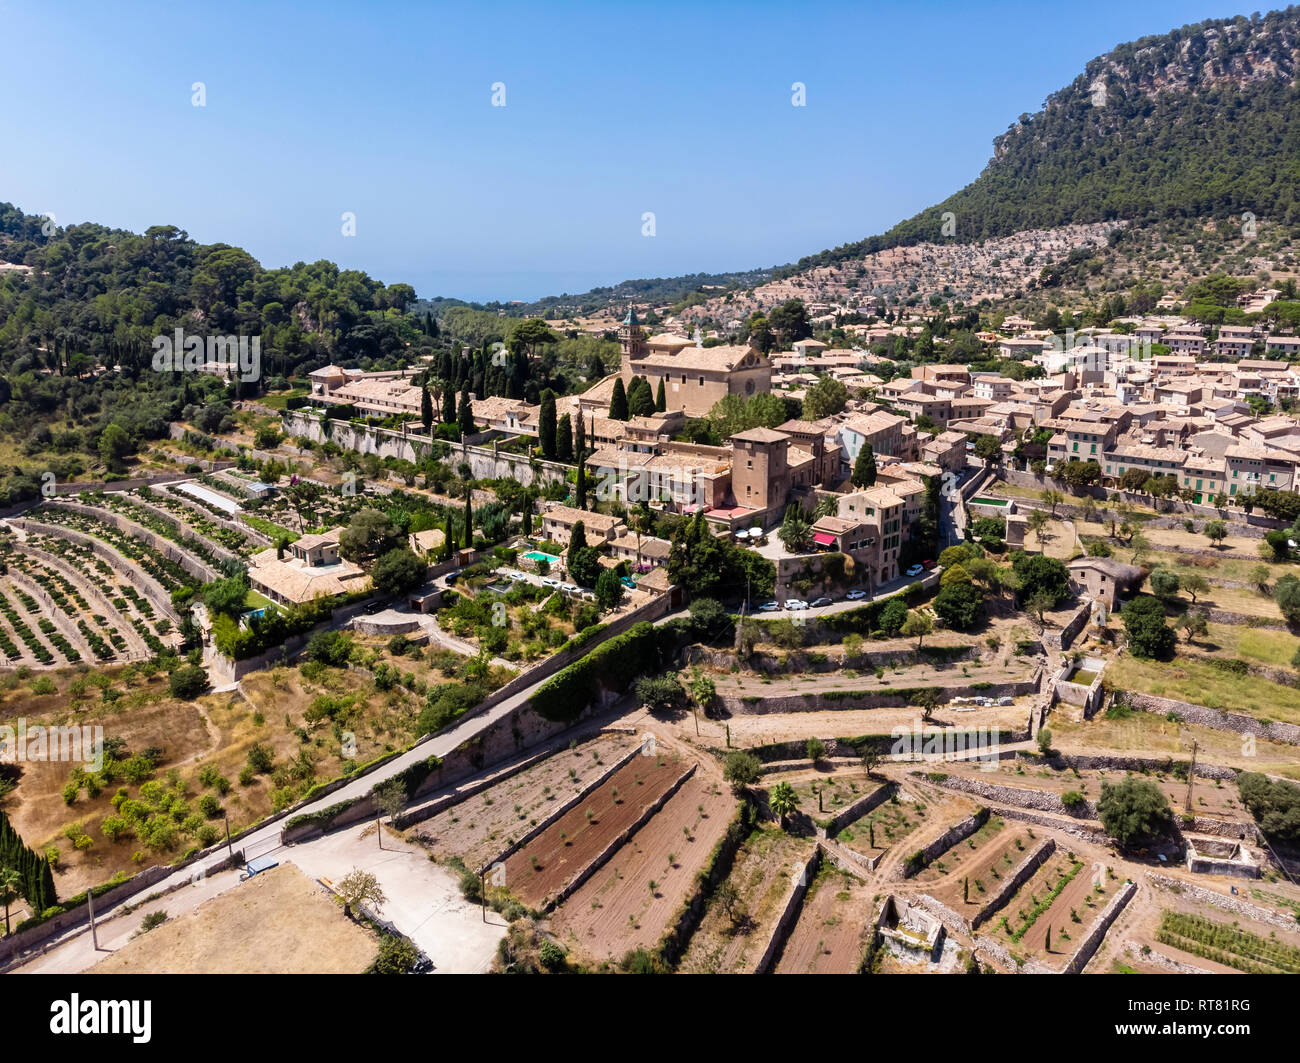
(1203, 121)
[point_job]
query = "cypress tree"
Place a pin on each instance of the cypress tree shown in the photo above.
(577, 541)
(469, 516)
(618, 402)
(546, 429)
(864, 468)
(661, 399)
(564, 439)
(466, 415)
(426, 408)
(448, 404)
(640, 399)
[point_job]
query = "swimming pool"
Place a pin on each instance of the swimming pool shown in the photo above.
(537, 555)
(988, 501)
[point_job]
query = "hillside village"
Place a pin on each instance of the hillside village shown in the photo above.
(923, 607)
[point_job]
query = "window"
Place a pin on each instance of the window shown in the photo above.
(701, 381)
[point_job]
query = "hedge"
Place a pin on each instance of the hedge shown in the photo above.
(613, 665)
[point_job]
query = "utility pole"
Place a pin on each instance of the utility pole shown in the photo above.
(1191, 776)
(90, 905)
(226, 816)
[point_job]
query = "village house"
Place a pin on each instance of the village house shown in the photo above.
(312, 568)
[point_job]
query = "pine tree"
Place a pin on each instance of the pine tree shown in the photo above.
(546, 429)
(618, 402)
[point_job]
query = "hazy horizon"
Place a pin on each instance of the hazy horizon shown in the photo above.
(311, 112)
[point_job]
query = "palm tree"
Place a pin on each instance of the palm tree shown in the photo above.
(10, 881)
(781, 800)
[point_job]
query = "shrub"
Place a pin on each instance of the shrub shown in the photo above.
(741, 768)
(188, 682)
(1134, 811)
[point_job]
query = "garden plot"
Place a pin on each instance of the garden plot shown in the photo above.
(1214, 940)
(759, 729)
(883, 828)
(166, 573)
(835, 924)
(967, 875)
(731, 940)
(477, 829)
(550, 861)
(86, 597)
(1061, 898)
(630, 902)
(836, 791)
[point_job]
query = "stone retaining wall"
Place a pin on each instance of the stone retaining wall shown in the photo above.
(789, 912)
(1017, 878)
(1214, 719)
(1224, 901)
(860, 808)
(942, 912)
(1017, 796)
(195, 566)
(957, 832)
(862, 699)
(137, 577)
(1092, 940)
(1106, 762)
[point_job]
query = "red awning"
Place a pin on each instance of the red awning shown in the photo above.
(822, 539)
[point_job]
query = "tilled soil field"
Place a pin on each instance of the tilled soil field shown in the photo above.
(762, 874)
(551, 860)
(481, 827)
(616, 909)
(833, 927)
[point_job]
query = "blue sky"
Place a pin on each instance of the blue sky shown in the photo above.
(612, 110)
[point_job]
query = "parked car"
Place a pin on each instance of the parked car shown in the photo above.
(569, 588)
(856, 596)
(819, 602)
(769, 607)
(795, 603)
(627, 582)
(927, 565)
(550, 581)
(375, 607)
(452, 576)
(518, 577)
(915, 570)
